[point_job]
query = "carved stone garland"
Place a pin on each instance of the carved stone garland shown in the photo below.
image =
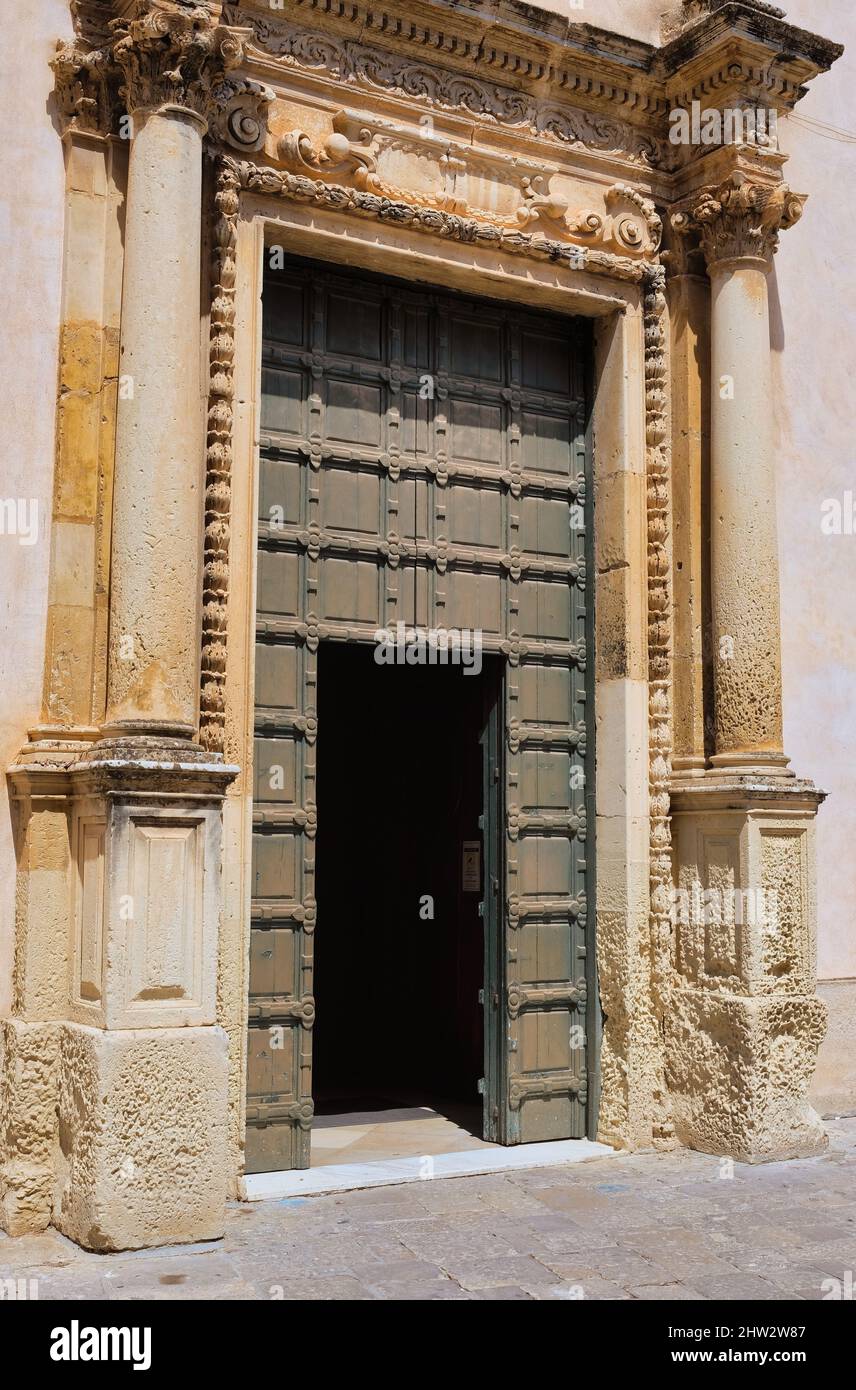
(218, 463)
(234, 175)
(658, 468)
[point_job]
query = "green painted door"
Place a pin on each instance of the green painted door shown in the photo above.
(423, 460)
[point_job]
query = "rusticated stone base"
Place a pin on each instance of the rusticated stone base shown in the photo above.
(740, 1070)
(142, 1129)
(29, 1062)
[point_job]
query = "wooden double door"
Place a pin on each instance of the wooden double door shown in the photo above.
(424, 826)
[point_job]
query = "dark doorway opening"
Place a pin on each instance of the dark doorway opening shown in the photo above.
(400, 942)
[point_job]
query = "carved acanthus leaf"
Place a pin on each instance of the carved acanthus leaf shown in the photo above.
(174, 52)
(740, 217)
(84, 92)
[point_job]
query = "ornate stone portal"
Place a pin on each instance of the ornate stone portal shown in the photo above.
(538, 165)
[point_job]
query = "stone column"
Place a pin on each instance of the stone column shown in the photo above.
(170, 59)
(131, 1066)
(744, 1024)
(153, 672)
(739, 223)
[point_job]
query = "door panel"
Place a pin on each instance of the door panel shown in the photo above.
(423, 459)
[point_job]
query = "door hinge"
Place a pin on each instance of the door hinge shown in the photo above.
(481, 997)
(480, 1086)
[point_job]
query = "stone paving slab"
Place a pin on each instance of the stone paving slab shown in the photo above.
(645, 1227)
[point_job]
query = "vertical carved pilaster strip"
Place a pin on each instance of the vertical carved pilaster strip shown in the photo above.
(659, 654)
(218, 462)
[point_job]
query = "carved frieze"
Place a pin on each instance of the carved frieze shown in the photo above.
(454, 180)
(359, 64)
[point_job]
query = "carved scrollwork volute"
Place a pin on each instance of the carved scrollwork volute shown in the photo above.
(239, 110)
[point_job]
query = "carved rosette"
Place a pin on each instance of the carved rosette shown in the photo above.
(740, 218)
(174, 53)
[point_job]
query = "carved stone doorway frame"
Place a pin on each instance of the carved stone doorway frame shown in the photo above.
(632, 1059)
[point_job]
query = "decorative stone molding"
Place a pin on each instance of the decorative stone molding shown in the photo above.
(630, 226)
(741, 217)
(658, 460)
(256, 178)
(218, 463)
(356, 62)
(576, 85)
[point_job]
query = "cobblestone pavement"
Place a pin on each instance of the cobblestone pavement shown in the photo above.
(667, 1226)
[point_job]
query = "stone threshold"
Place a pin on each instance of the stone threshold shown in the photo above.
(349, 1177)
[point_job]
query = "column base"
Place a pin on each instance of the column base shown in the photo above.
(756, 762)
(142, 1127)
(740, 1070)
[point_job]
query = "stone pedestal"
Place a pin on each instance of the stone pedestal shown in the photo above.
(744, 1024)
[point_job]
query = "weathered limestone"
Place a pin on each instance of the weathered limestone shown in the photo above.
(142, 1118)
(739, 223)
(170, 59)
(157, 512)
(118, 1007)
(114, 1098)
(745, 1025)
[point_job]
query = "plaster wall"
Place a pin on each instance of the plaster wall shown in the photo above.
(813, 326)
(813, 383)
(31, 243)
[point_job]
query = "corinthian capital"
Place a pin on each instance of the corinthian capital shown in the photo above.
(84, 93)
(740, 217)
(174, 52)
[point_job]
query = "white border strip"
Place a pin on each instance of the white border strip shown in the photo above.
(349, 1177)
